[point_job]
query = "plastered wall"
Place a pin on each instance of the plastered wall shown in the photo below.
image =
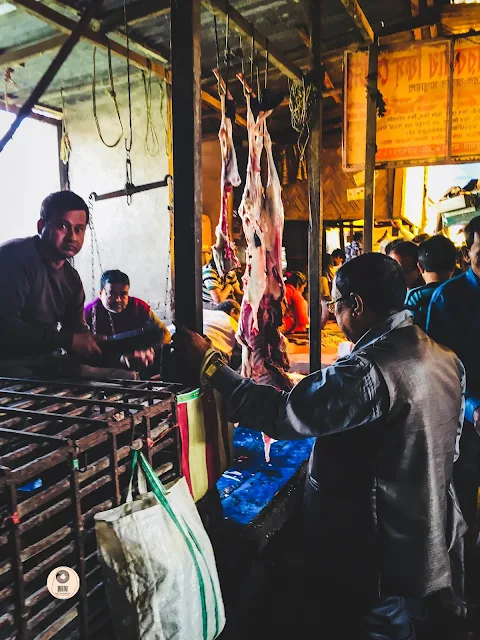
(132, 238)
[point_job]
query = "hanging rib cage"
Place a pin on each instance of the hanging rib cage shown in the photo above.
(76, 438)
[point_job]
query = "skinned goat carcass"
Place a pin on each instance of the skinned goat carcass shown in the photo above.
(223, 250)
(264, 357)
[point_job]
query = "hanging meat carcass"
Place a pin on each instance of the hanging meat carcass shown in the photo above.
(264, 357)
(224, 249)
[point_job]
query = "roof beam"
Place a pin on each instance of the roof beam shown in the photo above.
(327, 81)
(17, 55)
(51, 72)
(222, 9)
(355, 11)
(61, 22)
(67, 25)
(137, 12)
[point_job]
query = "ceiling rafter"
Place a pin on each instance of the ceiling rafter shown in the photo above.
(137, 12)
(305, 36)
(67, 25)
(17, 55)
(357, 14)
(222, 9)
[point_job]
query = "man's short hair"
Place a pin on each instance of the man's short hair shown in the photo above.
(391, 245)
(227, 306)
(58, 203)
(471, 229)
(406, 249)
(338, 253)
(421, 238)
(113, 276)
(377, 279)
(358, 236)
(437, 255)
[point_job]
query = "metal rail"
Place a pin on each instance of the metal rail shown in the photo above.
(130, 189)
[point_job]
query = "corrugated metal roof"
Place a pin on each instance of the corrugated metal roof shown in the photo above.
(278, 20)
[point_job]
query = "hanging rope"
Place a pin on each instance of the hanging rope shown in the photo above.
(151, 145)
(226, 53)
(217, 53)
(161, 86)
(111, 92)
(9, 80)
(303, 97)
(65, 144)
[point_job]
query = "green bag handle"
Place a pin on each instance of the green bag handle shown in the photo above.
(189, 537)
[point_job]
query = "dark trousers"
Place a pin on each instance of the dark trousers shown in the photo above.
(466, 477)
(340, 576)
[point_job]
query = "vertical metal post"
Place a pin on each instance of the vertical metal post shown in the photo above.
(20, 613)
(79, 535)
(315, 194)
(371, 148)
(187, 161)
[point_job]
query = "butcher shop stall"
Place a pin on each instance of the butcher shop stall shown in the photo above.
(209, 140)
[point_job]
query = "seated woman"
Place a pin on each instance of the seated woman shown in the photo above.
(115, 311)
(295, 315)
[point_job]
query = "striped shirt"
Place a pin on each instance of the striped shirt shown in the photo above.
(211, 280)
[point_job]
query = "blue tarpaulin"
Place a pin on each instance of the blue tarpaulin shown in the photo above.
(252, 483)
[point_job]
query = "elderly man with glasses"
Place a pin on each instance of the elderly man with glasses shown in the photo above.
(386, 420)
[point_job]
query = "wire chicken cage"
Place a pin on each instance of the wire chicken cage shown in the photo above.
(75, 437)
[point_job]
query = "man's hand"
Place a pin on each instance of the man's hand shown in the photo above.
(476, 420)
(140, 358)
(85, 345)
(190, 349)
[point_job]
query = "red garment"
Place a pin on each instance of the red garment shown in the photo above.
(134, 316)
(295, 316)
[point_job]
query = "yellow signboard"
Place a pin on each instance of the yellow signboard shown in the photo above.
(430, 116)
(466, 99)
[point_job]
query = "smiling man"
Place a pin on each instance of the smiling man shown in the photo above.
(386, 420)
(42, 297)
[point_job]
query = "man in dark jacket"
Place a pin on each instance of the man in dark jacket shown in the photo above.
(387, 419)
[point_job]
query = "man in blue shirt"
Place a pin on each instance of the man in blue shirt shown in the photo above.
(436, 262)
(453, 320)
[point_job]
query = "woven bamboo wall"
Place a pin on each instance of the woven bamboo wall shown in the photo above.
(335, 185)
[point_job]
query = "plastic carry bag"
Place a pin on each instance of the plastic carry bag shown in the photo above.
(160, 572)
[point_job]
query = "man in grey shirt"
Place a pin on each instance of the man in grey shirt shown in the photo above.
(386, 419)
(42, 298)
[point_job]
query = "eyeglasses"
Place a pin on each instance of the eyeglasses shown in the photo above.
(332, 303)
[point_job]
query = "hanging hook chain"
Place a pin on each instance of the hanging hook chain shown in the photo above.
(129, 140)
(93, 242)
(266, 63)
